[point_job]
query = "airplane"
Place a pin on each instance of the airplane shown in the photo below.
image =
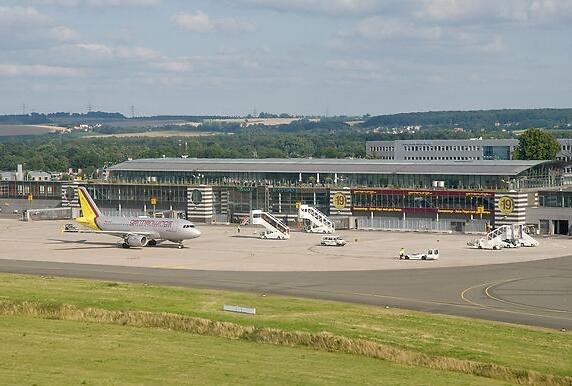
(135, 231)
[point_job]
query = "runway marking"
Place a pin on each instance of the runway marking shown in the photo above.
(470, 301)
(497, 309)
(170, 267)
(413, 300)
(492, 286)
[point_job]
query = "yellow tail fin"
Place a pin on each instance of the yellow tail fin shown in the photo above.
(89, 211)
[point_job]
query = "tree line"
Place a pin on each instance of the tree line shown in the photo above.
(57, 152)
(511, 118)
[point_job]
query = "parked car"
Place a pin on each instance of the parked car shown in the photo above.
(432, 254)
(333, 241)
(510, 243)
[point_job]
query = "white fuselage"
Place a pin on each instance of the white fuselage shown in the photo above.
(175, 230)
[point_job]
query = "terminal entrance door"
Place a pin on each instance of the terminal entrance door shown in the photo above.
(561, 227)
(458, 226)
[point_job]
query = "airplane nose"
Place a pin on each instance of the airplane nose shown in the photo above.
(196, 232)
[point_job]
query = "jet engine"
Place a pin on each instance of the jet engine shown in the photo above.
(136, 241)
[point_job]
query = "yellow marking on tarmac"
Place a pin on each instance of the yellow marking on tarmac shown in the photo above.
(490, 284)
(490, 287)
(171, 267)
(470, 301)
(410, 299)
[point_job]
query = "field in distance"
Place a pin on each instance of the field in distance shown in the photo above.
(154, 134)
(69, 331)
(15, 130)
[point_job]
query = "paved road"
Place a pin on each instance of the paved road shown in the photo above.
(535, 293)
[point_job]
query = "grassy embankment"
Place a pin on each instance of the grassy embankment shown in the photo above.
(220, 346)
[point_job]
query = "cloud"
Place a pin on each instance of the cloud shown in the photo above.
(39, 70)
(95, 55)
(23, 27)
(379, 28)
(318, 6)
(201, 22)
(358, 69)
(96, 52)
(354, 64)
(12, 16)
(97, 3)
(494, 10)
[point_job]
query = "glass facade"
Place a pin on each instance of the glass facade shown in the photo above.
(278, 200)
(136, 197)
(496, 152)
(423, 201)
(556, 199)
(254, 179)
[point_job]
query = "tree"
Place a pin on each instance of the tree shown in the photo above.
(537, 144)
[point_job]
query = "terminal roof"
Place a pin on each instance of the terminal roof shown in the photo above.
(307, 165)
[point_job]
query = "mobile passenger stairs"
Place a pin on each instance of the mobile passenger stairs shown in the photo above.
(317, 222)
(275, 229)
(505, 236)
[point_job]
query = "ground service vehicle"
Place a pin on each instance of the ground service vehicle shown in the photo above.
(432, 254)
(333, 240)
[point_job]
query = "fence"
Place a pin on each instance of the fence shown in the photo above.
(422, 225)
(47, 214)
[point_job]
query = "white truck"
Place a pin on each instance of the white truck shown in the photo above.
(332, 241)
(432, 254)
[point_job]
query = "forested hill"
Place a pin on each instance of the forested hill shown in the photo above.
(523, 118)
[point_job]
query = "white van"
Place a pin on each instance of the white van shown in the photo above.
(333, 240)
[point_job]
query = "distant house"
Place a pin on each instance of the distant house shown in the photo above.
(7, 176)
(39, 176)
(19, 175)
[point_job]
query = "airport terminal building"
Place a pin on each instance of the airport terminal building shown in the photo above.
(453, 149)
(463, 196)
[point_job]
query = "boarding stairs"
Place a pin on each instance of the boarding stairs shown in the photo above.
(318, 222)
(494, 239)
(275, 229)
(528, 240)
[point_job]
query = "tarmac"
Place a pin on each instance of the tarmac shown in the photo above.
(222, 248)
(529, 286)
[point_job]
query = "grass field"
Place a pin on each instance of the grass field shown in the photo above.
(43, 352)
(14, 130)
(434, 339)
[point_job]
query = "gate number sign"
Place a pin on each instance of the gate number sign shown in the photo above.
(339, 200)
(506, 205)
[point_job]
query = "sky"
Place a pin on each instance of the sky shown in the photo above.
(308, 57)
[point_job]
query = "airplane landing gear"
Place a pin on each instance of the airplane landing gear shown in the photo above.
(125, 245)
(152, 243)
(180, 245)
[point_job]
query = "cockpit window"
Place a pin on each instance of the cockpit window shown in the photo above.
(188, 226)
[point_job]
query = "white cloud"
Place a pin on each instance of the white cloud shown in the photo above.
(354, 64)
(97, 3)
(23, 27)
(492, 10)
(89, 52)
(39, 70)
(378, 28)
(94, 55)
(318, 6)
(62, 33)
(202, 23)
(12, 16)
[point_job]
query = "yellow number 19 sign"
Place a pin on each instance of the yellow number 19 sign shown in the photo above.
(506, 204)
(339, 200)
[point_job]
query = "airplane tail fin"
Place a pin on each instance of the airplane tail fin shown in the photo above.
(89, 211)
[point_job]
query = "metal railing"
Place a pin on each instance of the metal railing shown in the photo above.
(422, 225)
